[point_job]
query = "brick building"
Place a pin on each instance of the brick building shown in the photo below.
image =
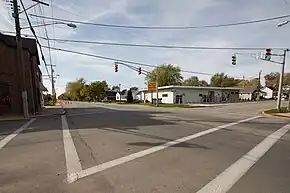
(10, 77)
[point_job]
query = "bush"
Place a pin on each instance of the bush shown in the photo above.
(283, 110)
(51, 103)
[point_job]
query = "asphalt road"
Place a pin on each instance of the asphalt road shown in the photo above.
(117, 148)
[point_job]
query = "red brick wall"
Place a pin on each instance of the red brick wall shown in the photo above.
(9, 74)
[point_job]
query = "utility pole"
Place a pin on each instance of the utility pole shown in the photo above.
(259, 85)
(243, 81)
(157, 90)
(52, 84)
(20, 62)
(281, 81)
(120, 91)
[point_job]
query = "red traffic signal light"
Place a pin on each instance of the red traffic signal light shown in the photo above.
(116, 67)
(234, 60)
(139, 70)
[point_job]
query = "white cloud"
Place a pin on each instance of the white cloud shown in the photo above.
(160, 13)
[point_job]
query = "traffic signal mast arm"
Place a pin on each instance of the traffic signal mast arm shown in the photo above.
(139, 69)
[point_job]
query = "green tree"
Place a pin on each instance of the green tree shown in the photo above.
(203, 83)
(115, 88)
(222, 80)
(74, 89)
(191, 81)
(167, 75)
(98, 89)
(217, 79)
(249, 83)
(134, 88)
(129, 96)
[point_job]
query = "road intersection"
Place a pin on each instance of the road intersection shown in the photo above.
(115, 148)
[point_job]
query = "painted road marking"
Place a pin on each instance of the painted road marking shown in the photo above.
(7, 139)
(72, 160)
(122, 160)
(224, 181)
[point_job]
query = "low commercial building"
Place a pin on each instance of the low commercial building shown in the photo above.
(191, 94)
(10, 76)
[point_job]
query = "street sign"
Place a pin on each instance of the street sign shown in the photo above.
(151, 86)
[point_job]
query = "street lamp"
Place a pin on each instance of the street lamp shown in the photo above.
(283, 23)
(54, 23)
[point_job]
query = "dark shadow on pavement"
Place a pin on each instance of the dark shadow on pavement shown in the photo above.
(184, 144)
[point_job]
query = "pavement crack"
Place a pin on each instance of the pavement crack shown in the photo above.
(87, 145)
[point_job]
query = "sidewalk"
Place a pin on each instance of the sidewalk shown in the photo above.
(285, 115)
(11, 117)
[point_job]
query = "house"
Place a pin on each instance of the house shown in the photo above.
(191, 94)
(251, 93)
(268, 93)
(110, 96)
(11, 80)
(122, 96)
(124, 93)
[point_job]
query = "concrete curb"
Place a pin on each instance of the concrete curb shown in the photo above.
(275, 115)
(13, 118)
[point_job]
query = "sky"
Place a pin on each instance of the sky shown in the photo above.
(157, 13)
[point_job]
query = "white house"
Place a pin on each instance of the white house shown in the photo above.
(123, 95)
(191, 94)
(268, 93)
(248, 94)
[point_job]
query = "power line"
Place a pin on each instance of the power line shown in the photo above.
(159, 46)
(120, 60)
(164, 27)
(155, 46)
(34, 34)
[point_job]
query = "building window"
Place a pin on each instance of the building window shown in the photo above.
(164, 95)
(232, 92)
(4, 95)
(237, 92)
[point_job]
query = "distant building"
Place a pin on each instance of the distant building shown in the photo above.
(268, 93)
(122, 96)
(10, 76)
(110, 95)
(252, 93)
(191, 94)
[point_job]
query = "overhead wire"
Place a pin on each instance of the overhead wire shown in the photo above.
(161, 46)
(164, 27)
(53, 28)
(115, 59)
(126, 61)
(157, 46)
(34, 34)
(48, 41)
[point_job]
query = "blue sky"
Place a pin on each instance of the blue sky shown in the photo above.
(158, 13)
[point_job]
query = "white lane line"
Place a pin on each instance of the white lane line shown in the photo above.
(7, 139)
(72, 160)
(122, 160)
(224, 181)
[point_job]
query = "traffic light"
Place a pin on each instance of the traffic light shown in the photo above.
(234, 60)
(139, 70)
(116, 67)
(268, 54)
